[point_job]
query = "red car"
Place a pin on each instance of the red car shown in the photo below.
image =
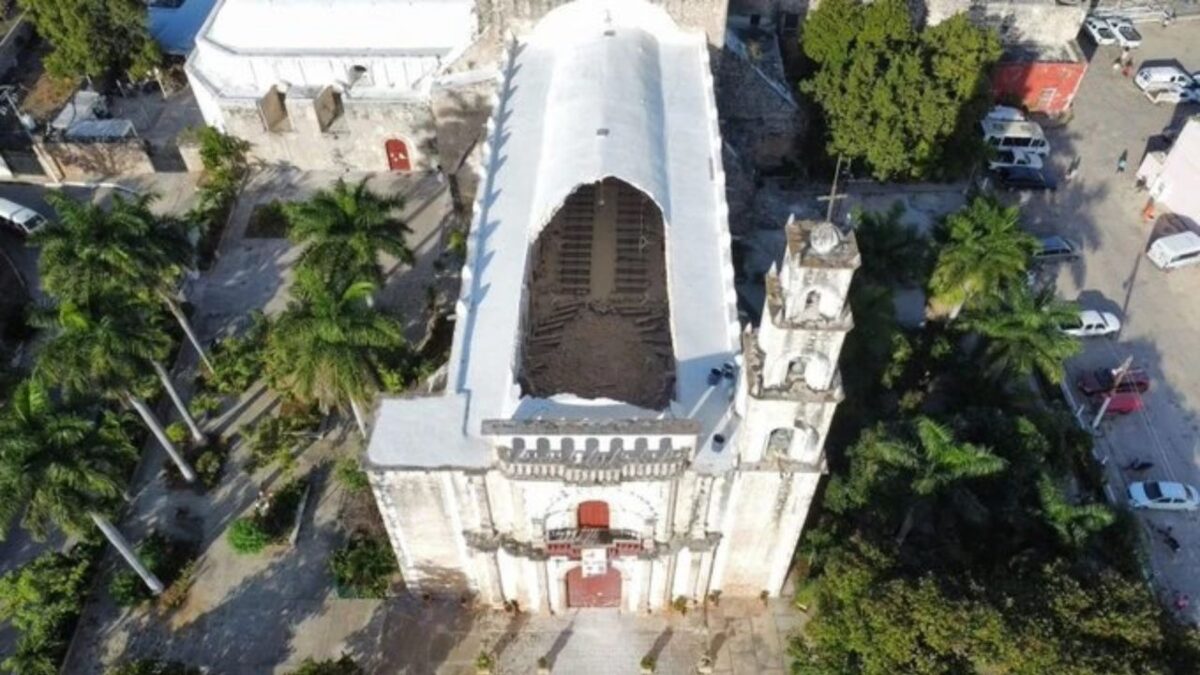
(1100, 381)
(1122, 403)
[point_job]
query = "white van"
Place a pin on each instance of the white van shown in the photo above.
(21, 218)
(1157, 77)
(1009, 135)
(1175, 250)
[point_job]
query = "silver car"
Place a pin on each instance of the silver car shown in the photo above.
(1163, 496)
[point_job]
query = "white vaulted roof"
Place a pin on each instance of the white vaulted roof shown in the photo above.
(346, 26)
(600, 88)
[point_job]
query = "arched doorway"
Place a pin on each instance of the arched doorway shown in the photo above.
(397, 155)
(597, 590)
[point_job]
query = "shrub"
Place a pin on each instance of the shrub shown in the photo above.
(203, 404)
(176, 593)
(484, 661)
(649, 663)
(153, 667)
(247, 536)
(127, 589)
(267, 221)
(164, 557)
(177, 433)
(272, 441)
(209, 465)
(238, 360)
(364, 568)
(350, 474)
(342, 666)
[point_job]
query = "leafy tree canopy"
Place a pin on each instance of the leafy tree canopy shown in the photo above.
(95, 38)
(903, 101)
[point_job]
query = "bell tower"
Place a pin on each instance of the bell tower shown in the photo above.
(791, 384)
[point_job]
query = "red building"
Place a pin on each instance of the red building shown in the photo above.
(1042, 81)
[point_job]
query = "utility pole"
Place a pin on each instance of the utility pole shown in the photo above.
(1119, 376)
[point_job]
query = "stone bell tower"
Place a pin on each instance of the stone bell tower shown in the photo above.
(786, 397)
(791, 385)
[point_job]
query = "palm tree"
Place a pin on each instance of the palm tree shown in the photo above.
(344, 229)
(320, 349)
(1024, 333)
(893, 253)
(985, 252)
(127, 249)
(1074, 523)
(107, 351)
(936, 462)
(59, 468)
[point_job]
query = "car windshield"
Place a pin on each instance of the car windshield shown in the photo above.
(1130, 33)
(1153, 492)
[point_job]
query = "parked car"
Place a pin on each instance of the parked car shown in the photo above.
(1055, 249)
(1174, 94)
(1101, 381)
(1122, 403)
(1155, 77)
(1163, 495)
(1093, 324)
(1004, 157)
(1099, 31)
(1127, 36)
(1024, 178)
(20, 218)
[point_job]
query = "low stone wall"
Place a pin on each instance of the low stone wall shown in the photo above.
(70, 161)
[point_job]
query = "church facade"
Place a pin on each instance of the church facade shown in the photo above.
(608, 435)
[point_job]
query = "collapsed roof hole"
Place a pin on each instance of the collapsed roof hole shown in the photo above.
(597, 321)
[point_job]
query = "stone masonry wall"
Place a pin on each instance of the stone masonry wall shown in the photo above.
(355, 142)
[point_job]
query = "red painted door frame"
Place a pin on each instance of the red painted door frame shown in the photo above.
(397, 155)
(602, 590)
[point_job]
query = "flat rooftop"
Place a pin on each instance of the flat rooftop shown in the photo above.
(600, 89)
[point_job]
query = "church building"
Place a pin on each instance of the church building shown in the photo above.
(608, 434)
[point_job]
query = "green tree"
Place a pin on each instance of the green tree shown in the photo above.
(984, 253)
(128, 250)
(893, 253)
(95, 38)
(903, 101)
(41, 600)
(1073, 523)
(104, 348)
(1024, 333)
(59, 468)
(344, 229)
(935, 462)
(320, 349)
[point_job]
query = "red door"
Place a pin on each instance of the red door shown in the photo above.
(593, 515)
(602, 590)
(397, 154)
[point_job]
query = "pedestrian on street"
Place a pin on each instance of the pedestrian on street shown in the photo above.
(1122, 160)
